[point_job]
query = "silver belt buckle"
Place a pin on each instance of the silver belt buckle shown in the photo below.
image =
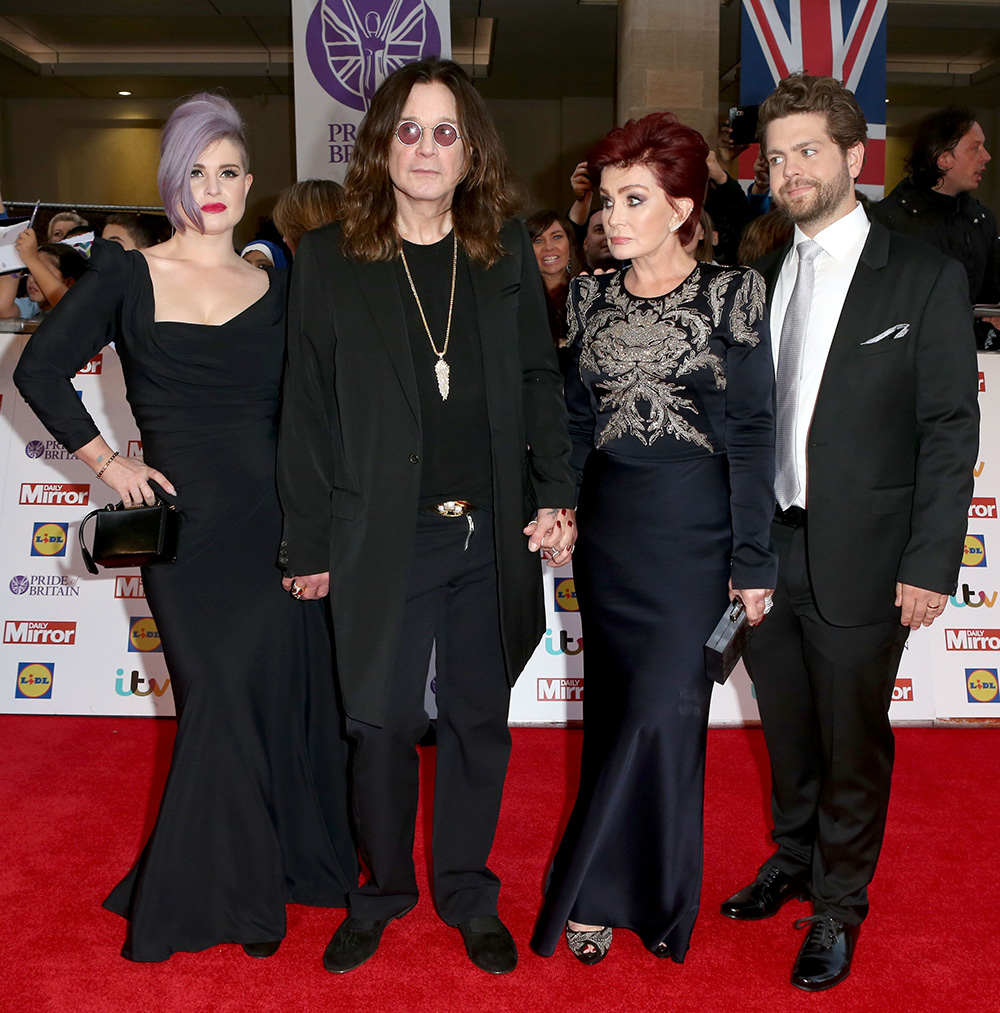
(453, 508)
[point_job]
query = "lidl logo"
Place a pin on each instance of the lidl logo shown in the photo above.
(143, 635)
(48, 539)
(981, 685)
(975, 551)
(565, 596)
(34, 681)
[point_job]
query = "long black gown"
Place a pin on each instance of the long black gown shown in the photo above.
(254, 812)
(670, 411)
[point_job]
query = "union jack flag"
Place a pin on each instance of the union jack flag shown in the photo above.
(843, 38)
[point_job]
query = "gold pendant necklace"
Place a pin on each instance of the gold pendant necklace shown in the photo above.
(442, 371)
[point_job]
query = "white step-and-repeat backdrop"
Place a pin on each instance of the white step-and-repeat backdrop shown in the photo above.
(78, 644)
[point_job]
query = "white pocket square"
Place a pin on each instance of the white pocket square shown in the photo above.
(896, 331)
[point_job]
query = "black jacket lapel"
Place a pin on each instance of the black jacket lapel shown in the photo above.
(377, 282)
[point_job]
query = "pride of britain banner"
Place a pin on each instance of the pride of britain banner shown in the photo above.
(343, 50)
(80, 644)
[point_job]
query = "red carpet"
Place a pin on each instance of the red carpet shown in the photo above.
(77, 795)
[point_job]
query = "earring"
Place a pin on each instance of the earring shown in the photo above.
(674, 228)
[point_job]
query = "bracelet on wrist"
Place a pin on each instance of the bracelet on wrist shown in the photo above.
(106, 463)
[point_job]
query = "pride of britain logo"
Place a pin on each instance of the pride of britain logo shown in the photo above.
(354, 45)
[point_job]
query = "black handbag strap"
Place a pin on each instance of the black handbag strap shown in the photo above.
(88, 559)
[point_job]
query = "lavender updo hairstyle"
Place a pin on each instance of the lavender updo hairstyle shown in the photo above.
(195, 124)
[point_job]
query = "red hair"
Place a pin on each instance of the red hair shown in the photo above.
(675, 155)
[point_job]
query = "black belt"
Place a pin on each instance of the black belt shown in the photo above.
(794, 517)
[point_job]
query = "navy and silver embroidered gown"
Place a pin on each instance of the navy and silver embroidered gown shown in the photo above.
(673, 431)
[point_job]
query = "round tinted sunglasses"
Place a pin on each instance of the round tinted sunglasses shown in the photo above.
(444, 134)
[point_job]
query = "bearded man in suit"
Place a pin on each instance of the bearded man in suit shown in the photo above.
(876, 437)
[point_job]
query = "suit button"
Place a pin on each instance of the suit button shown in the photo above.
(414, 459)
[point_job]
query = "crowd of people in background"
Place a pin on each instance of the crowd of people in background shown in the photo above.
(737, 227)
(56, 252)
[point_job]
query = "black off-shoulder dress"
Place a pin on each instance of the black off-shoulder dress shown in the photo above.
(254, 813)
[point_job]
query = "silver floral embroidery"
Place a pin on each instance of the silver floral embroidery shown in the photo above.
(640, 347)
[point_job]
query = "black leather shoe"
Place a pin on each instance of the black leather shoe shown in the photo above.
(489, 945)
(353, 943)
(825, 957)
(764, 896)
(261, 950)
(355, 940)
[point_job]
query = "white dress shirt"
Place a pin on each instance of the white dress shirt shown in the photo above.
(842, 244)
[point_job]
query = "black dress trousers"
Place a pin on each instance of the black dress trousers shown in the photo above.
(452, 602)
(823, 692)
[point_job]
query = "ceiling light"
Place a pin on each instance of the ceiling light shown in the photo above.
(125, 93)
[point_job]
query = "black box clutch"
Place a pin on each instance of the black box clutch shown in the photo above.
(137, 536)
(725, 646)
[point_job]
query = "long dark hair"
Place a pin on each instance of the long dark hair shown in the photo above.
(936, 134)
(485, 198)
(541, 221)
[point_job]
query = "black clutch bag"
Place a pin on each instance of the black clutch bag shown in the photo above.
(138, 536)
(725, 646)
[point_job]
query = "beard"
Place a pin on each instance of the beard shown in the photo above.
(826, 198)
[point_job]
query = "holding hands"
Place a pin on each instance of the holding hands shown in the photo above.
(554, 533)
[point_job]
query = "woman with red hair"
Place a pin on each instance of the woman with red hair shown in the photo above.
(673, 436)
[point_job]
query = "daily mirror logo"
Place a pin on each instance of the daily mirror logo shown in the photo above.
(54, 494)
(39, 631)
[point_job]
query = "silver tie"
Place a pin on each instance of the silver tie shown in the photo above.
(789, 376)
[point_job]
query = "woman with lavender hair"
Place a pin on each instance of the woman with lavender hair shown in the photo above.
(254, 812)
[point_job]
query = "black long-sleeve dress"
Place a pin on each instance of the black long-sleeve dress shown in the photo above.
(254, 813)
(672, 424)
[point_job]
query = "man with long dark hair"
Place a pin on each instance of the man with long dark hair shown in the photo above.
(424, 464)
(935, 203)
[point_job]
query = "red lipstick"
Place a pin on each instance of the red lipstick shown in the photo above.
(213, 209)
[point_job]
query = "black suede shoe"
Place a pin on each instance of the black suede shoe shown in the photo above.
(489, 945)
(765, 895)
(825, 957)
(261, 950)
(353, 943)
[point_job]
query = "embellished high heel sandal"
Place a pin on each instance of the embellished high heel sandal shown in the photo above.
(589, 947)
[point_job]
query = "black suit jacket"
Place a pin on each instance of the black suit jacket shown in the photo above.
(895, 432)
(350, 444)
